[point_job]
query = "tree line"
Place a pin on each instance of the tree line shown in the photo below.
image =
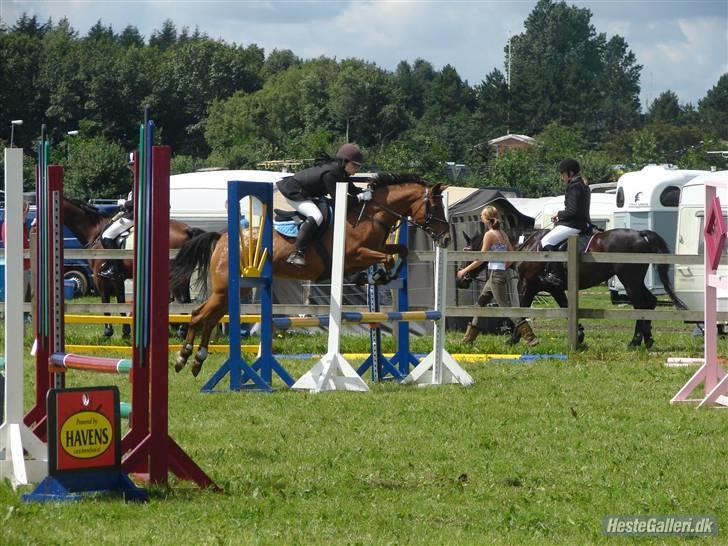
(218, 104)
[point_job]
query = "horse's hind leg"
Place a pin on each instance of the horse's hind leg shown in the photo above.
(121, 298)
(216, 306)
(184, 353)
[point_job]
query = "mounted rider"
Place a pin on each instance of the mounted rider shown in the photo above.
(317, 181)
(573, 220)
(123, 221)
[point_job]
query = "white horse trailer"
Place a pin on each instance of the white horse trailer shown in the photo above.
(601, 209)
(689, 279)
(649, 199)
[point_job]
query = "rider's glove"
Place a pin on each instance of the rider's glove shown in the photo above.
(365, 195)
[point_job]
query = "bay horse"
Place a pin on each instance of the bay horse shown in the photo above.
(632, 276)
(395, 198)
(87, 223)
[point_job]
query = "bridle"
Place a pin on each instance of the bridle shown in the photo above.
(430, 217)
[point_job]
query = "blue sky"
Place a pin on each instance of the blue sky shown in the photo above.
(682, 44)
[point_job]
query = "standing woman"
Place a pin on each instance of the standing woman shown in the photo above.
(495, 240)
(317, 181)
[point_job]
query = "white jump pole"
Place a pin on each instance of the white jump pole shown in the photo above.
(333, 372)
(439, 367)
(15, 437)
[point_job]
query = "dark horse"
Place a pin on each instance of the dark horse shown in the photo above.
(87, 223)
(632, 276)
(395, 197)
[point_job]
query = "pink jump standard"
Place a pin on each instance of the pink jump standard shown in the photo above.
(711, 374)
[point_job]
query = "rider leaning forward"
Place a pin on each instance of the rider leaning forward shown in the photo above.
(571, 221)
(317, 181)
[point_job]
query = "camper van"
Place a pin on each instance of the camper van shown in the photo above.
(199, 199)
(648, 199)
(689, 279)
(601, 210)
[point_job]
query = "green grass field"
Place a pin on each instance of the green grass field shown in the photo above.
(531, 454)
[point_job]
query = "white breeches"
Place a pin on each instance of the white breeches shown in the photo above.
(558, 234)
(117, 228)
(307, 208)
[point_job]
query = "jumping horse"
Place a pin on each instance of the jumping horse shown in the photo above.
(87, 223)
(632, 276)
(395, 197)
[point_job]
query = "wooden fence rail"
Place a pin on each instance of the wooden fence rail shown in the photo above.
(573, 313)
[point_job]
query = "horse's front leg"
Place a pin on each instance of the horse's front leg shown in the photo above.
(364, 257)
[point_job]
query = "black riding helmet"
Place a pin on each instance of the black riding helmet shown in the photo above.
(350, 152)
(569, 166)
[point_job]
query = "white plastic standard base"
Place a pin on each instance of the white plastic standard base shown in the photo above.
(15, 439)
(451, 373)
(331, 373)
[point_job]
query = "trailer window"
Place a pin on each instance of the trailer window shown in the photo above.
(670, 196)
(701, 239)
(620, 198)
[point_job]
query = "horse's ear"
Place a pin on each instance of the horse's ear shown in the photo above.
(468, 238)
(439, 188)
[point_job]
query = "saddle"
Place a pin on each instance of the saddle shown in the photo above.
(288, 222)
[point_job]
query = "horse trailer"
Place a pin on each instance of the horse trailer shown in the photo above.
(649, 199)
(690, 279)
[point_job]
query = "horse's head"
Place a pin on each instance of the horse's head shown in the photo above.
(84, 221)
(435, 222)
(406, 195)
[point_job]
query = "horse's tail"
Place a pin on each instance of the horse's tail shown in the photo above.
(658, 244)
(193, 255)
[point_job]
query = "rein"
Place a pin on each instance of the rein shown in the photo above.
(429, 216)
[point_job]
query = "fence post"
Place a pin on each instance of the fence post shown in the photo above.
(572, 288)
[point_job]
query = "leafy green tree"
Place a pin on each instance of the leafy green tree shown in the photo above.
(643, 149)
(562, 70)
(665, 108)
(95, 168)
(521, 169)
(713, 108)
(130, 37)
(164, 38)
(557, 142)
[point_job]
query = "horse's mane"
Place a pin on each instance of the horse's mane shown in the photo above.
(88, 210)
(532, 240)
(390, 179)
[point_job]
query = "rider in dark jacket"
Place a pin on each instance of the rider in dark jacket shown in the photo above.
(572, 220)
(317, 181)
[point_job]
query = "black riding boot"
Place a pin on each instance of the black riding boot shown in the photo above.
(306, 233)
(551, 274)
(110, 268)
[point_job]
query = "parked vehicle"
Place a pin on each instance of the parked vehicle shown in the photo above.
(75, 270)
(649, 199)
(690, 279)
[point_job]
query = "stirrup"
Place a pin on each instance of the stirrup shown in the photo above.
(550, 279)
(297, 258)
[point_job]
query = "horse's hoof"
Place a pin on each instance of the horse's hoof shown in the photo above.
(196, 367)
(108, 331)
(180, 364)
(649, 343)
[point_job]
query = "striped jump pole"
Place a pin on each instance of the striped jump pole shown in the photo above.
(23, 456)
(250, 267)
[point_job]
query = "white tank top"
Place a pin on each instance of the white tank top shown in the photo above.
(497, 247)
